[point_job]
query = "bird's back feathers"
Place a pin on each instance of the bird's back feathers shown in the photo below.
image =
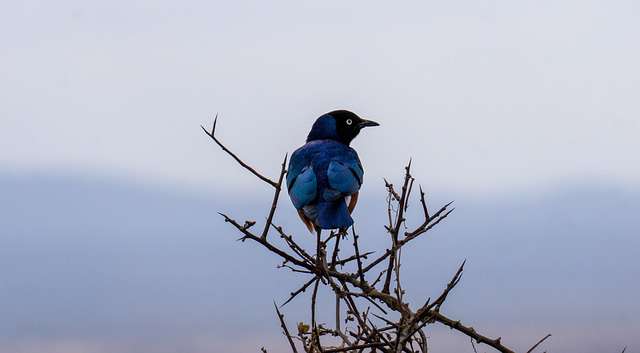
(321, 174)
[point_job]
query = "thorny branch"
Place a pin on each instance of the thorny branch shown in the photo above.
(399, 328)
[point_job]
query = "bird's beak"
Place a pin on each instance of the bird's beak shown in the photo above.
(366, 123)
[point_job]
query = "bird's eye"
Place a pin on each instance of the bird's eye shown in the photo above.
(349, 122)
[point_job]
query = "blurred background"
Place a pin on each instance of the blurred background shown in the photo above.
(526, 113)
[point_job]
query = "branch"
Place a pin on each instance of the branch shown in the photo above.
(394, 232)
(274, 203)
(263, 242)
(411, 236)
(471, 332)
(300, 290)
(353, 257)
(240, 161)
(542, 340)
(285, 329)
(362, 346)
(358, 260)
(292, 244)
(314, 324)
(454, 281)
(427, 223)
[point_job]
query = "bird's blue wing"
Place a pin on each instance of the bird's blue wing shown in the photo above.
(301, 181)
(345, 173)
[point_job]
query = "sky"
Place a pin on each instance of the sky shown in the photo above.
(512, 108)
(484, 95)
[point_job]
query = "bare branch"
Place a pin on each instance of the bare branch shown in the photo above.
(391, 190)
(212, 134)
(542, 340)
(427, 223)
(362, 346)
(292, 244)
(269, 246)
(471, 332)
(473, 345)
(300, 290)
(274, 203)
(358, 259)
(353, 258)
(285, 329)
(314, 324)
(396, 227)
(454, 281)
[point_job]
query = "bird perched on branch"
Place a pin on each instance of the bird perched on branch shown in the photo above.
(325, 175)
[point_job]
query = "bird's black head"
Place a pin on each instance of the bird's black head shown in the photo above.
(340, 125)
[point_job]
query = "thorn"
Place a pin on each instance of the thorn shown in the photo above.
(215, 121)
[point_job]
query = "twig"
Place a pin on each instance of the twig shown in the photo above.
(276, 195)
(454, 281)
(358, 260)
(362, 346)
(473, 345)
(470, 332)
(542, 340)
(212, 134)
(300, 290)
(396, 228)
(314, 324)
(286, 330)
(292, 244)
(266, 244)
(353, 258)
(427, 222)
(336, 249)
(409, 237)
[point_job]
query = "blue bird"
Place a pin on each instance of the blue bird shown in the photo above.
(326, 173)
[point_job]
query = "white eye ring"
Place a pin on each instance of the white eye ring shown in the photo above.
(349, 122)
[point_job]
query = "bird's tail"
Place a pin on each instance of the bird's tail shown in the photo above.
(306, 220)
(333, 215)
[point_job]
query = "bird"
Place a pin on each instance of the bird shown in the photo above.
(325, 174)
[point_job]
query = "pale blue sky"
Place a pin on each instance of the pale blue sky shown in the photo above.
(485, 95)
